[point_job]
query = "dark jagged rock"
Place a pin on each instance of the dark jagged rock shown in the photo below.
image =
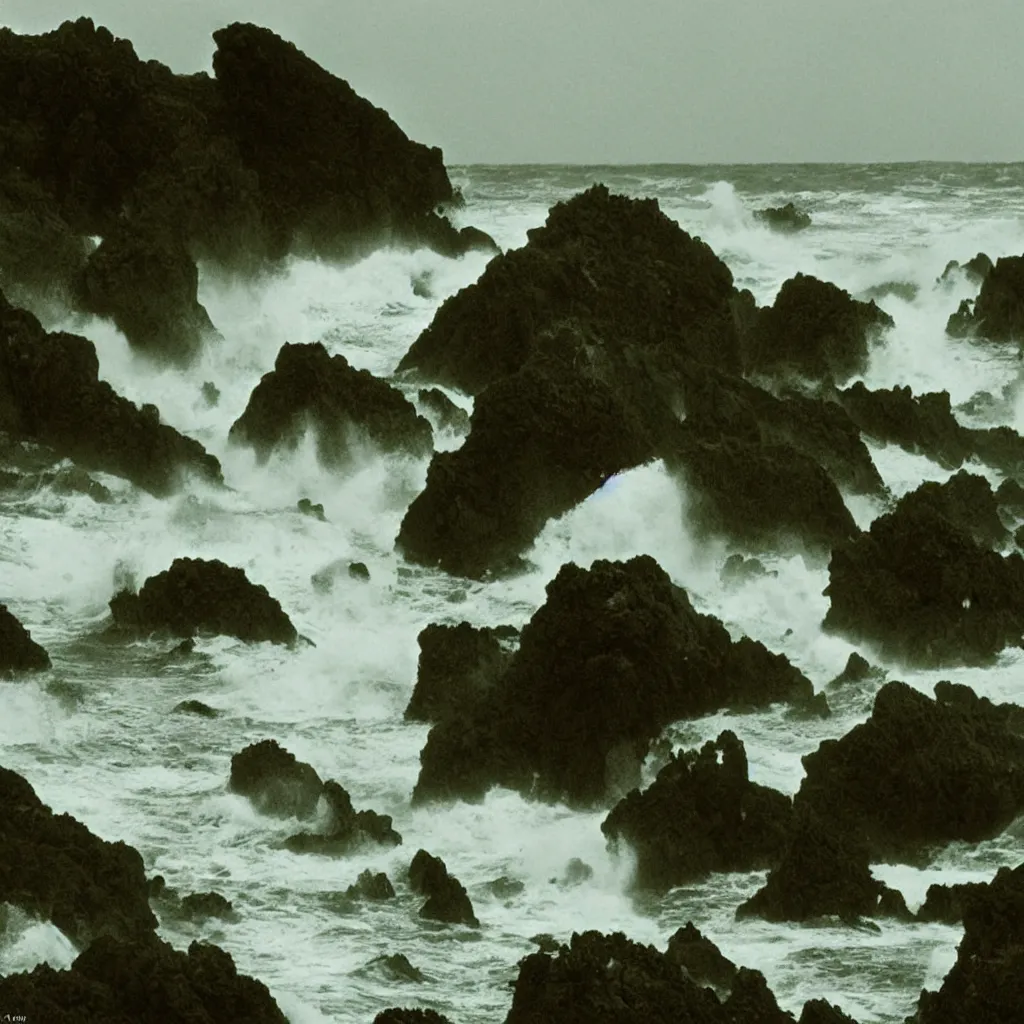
(818, 1011)
(397, 967)
(202, 905)
(505, 888)
(18, 651)
(701, 959)
(614, 655)
(358, 571)
(52, 866)
(751, 1000)
(608, 979)
(447, 899)
(147, 283)
(823, 871)
(619, 266)
(198, 596)
(923, 591)
(546, 943)
(857, 670)
(542, 440)
(908, 291)
(816, 706)
(310, 389)
(738, 570)
(448, 414)
(346, 829)
(974, 270)
(920, 772)
(967, 501)
(400, 1016)
(788, 218)
(986, 984)
(307, 508)
(814, 330)
(370, 886)
(998, 313)
(701, 814)
(458, 666)
(146, 982)
(275, 781)
(196, 707)
(50, 392)
(946, 903)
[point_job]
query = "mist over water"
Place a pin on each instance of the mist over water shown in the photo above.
(97, 737)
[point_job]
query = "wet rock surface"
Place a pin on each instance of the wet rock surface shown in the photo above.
(52, 866)
(346, 829)
(370, 886)
(342, 406)
(998, 313)
(787, 219)
(447, 899)
(615, 654)
(198, 596)
(144, 981)
(701, 959)
(701, 814)
(275, 780)
(50, 392)
(18, 651)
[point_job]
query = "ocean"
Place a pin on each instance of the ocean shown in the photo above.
(97, 738)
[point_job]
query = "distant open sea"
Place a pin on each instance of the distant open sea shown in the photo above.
(96, 737)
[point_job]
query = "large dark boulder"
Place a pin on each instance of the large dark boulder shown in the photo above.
(53, 867)
(701, 959)
(275, 780)
(967, 501)
(346, 830)
(824, 871)
(813, 330)
(146, 982)
(615, 654)
(619, 266)
(397, 1015)
(50, 392)
(920, 588)
(986, 984)
(787, 219)
(198, 596)
(447, 899)
(975, 270)
(946, 903)
(818, 1011)
(458, 667)
(147, 283)
(542, 439)
(701, 814)
(998, 313)
(920, 772)
(18, 651)
(309, 389)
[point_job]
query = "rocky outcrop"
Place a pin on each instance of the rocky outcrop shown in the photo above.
(701, 959)
(198, 596)
(787, 219)
(975, 270)
(967, 501)
(146, 982)
(701, 814)
(986, 984)
(458, 667)
(53, 867)
(813, 330)
(447, 899)
(18, 651)
(946, 903)
(50, 392)
(818, 1011)
(401, 1016)
(342, 406)
(614, 655)
(998, 313)
(824, 871)
(346, 829)
(449, 416)
(201, 906)
(275, 780)
(922, 590)
(920, 772)
(370, 886)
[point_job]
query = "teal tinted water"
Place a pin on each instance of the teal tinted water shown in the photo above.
(97, 737)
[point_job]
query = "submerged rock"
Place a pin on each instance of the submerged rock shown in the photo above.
(447, 899)
(196, 707)
(701, 814)
(814, 330)
(53, 867)
(146, 982)
(614, 655)
(18, 651)
(346, 829)
(309, 389)
(986, 984)
(198, 596)
(275, 780)
(50, 392)
(199, 906)
(788, 218)
(307, 508)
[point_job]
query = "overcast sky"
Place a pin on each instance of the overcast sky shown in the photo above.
(637, 81)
